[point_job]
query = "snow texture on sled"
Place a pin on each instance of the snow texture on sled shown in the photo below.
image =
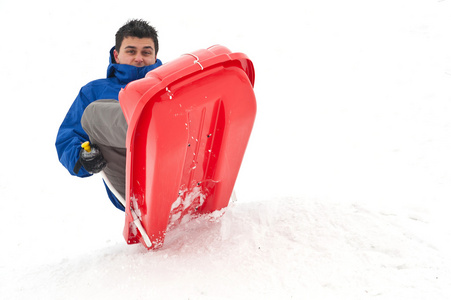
(189, 125)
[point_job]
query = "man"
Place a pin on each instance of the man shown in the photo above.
(96, 116)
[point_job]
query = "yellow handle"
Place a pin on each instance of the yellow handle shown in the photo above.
(86, 146)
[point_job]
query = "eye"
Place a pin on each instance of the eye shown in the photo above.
(131, 51)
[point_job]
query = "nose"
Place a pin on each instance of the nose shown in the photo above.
(139, 58)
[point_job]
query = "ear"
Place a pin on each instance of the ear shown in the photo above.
(116, 56)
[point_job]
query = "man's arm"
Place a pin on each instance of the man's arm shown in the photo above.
(71, 135)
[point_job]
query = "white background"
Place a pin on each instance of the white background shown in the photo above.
(345, 187)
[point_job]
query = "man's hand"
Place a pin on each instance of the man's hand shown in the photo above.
(92, 161)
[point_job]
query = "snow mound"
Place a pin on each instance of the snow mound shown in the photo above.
(279, 249)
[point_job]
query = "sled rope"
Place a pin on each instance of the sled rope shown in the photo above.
(123, 202)
(196, 61)
(87, 147)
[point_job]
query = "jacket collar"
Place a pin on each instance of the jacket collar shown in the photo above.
(128, 73)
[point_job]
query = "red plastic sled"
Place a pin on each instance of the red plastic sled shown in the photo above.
(189, 125)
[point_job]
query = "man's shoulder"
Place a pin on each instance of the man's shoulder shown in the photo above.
(97, 84)
(101, 88)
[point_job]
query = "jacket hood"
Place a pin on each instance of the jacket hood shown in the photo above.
(128, 73)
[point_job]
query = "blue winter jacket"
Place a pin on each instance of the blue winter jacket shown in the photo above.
(71, 135)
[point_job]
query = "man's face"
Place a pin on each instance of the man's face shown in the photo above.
(136, 52)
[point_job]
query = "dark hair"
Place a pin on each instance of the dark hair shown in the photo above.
(136, 28)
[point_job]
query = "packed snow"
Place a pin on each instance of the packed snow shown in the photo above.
(345, 187)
